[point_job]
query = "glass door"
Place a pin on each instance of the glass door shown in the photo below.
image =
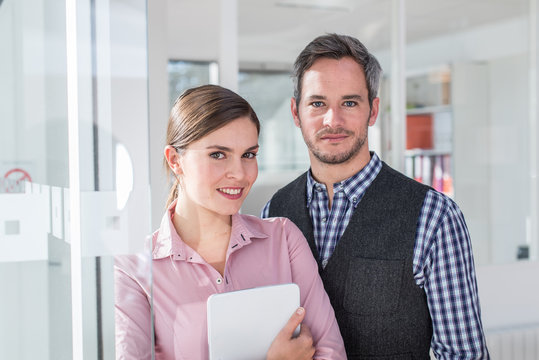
(74, 178)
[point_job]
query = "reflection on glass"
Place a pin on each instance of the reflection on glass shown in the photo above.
(183, 75)
(269, 93)
(35, 308)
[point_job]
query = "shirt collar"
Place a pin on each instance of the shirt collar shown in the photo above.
(166, 242)
(242, 234)
(355, 186)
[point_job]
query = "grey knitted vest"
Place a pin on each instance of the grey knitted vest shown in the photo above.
(382, 313)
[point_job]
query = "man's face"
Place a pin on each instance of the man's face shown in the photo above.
(334, 112)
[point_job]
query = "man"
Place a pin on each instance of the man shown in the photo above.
(395, 255)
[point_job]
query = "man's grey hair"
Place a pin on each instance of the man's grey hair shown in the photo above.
(335, 46)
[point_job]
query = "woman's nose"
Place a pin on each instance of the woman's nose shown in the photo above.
(235, 169)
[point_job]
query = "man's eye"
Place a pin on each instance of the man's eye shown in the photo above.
(317, 103)
(249, 155)
(217, 155)
(350, 103)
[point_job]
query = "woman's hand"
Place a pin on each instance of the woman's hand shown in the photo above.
(284, 346)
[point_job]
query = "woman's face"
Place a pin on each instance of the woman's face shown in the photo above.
(217, 171)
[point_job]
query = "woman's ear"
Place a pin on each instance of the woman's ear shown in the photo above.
(173, 159)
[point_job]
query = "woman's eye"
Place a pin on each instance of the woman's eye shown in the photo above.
(249, 155)
(217, 155)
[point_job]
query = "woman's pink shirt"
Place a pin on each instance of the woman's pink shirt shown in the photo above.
(261, 252)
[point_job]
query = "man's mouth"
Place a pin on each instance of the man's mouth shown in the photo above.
(334, 135)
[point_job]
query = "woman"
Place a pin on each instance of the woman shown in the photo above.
(204, 246)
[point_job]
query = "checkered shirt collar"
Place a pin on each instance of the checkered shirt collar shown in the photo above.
(355, 186)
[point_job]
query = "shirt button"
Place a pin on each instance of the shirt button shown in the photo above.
(324, 219)
(318, 188)
(324, 262)
(354, 199)
(219, 281)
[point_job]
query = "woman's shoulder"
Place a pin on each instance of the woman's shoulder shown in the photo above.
(270, 225)
(256, 221)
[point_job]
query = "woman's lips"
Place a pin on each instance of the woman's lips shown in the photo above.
(231, 192)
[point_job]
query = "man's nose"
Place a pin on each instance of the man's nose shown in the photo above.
(333, 118)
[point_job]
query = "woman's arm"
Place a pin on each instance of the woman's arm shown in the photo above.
(132, 311)
(285, 346)
(319, 314)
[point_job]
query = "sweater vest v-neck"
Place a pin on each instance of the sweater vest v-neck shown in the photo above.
(382, 313)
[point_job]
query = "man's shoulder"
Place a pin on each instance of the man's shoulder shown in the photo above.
(287, 198)
(298, 183)
(396, 175)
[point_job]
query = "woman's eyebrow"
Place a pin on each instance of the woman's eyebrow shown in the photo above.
(225, 148)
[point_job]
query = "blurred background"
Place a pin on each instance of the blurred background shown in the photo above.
(85, 91)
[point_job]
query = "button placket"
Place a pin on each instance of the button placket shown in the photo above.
(324, 263)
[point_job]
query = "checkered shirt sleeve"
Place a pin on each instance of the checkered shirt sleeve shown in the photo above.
(444, 267)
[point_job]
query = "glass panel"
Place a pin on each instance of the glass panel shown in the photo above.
(183, 75)
(35, 235)
(269, 93)
(114, 158)
(35, 309)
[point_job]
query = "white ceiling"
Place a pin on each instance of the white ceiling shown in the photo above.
(276, 30)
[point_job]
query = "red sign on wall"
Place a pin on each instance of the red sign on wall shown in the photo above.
(13, 180)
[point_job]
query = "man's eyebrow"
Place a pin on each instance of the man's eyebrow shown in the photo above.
(352, 97)
(344, 97)
(316, 97)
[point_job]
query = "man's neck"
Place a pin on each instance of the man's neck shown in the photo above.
(329, 174)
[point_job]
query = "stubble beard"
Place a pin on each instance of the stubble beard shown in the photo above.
(335, 158)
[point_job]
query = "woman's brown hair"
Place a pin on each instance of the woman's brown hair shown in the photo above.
(199, 111)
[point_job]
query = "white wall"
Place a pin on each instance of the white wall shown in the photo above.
(470, 104)
(509, 295)
(509, 155)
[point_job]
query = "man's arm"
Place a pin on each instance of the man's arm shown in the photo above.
(444, 266)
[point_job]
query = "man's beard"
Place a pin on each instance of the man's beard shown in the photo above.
(336, 158)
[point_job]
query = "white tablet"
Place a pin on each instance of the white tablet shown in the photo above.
(243, 324)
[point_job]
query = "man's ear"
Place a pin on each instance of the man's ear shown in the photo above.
(294, 109)
(173, 159)
(374, 111)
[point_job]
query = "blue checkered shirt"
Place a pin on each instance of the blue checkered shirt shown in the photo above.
(443, 262)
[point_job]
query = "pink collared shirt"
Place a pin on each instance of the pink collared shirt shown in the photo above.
(261, 252)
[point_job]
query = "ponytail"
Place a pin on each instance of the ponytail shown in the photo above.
(173, 193)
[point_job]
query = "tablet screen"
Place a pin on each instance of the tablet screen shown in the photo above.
(242, 324)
